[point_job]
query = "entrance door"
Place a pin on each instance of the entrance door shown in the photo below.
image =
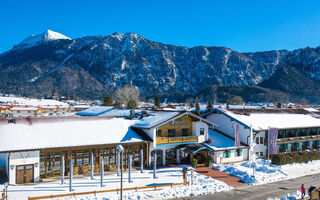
(24, 174)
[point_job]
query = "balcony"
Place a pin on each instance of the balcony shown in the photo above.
(185, 139)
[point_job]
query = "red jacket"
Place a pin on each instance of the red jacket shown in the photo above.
(302, 189)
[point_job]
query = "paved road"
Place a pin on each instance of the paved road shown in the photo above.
(262, 192)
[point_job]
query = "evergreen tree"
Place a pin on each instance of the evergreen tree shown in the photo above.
(107, 101)
(209, 106)
(279, 105)
(132, 104)
(197, 112)
(157, 102)
(117, 105)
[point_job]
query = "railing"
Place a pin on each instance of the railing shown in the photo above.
(169, 140)
(296, 139)
(105, 191)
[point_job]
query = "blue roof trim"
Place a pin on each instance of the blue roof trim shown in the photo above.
(175, 143)
(201, 148)
(225, 114)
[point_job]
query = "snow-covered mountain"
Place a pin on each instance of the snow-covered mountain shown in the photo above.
(37, 39)
(91, 66)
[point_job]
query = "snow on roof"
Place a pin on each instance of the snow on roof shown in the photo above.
(31, 102)
(156, 117)
(95, 111)
(27, 134)
(119, 112)
(219, 141)
(24, 108)
(262, 121)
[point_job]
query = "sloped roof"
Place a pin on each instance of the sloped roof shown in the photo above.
(94, 111)
(32, 134)
(275, 118)
(159, 118)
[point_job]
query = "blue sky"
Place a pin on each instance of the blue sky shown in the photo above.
(240, 25)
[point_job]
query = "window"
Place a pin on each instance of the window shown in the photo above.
(261, 153)
(18, 111)
(29, 111)
(226, 154)
(185, 132)
(158, 133)
(238, 152)
(171, 132)
(201, 131)
(259, 140)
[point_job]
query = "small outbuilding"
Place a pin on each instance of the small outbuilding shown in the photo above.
(314, 193)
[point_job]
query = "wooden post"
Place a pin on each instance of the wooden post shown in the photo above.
(130, 163)
(70, 175)
(118, 163)
(141, 160)
(92, 164)
(154, 164)
(101, 171)
(62, 169)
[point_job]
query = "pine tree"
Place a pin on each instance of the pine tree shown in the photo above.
(197, 108)
(117, 105)
(132, 104)
(107, 101)
(209, 106)
(157, 102)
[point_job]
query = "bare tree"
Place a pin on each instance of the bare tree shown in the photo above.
(128, 92)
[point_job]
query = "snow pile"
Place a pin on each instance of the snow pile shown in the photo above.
(301, 169)
(202, 185)
(293, 196)
(264, 172)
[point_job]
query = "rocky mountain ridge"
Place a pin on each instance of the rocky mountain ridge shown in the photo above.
(93, 65)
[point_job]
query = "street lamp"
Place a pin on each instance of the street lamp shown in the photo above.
(121, 149)
(6, 184)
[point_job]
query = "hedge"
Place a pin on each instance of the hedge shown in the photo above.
(294, 157)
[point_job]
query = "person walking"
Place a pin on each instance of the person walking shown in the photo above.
(303, 191)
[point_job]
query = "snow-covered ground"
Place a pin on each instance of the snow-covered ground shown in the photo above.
(265, 172)
(202, 185)
(292, 196)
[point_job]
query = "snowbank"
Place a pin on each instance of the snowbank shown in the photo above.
(296, 195)
(202, 185)
(265, 172)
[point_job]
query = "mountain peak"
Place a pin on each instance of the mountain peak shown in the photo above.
(36, 39)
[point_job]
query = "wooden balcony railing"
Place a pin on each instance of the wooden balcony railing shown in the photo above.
(169, 140)
(296, 139)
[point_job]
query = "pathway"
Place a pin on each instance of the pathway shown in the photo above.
(262, 192)
(221, 176)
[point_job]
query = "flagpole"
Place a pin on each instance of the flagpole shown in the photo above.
(251, 146)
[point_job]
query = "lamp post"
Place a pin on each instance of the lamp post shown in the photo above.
(6, 184)
(121, 149)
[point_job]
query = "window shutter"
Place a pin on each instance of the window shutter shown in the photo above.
(224, 154)
(229, 153)
(240, 152)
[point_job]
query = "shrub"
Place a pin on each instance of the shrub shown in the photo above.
(208, 160)
(294, 157)
(194, 163)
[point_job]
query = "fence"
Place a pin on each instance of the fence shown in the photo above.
(105, 191)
